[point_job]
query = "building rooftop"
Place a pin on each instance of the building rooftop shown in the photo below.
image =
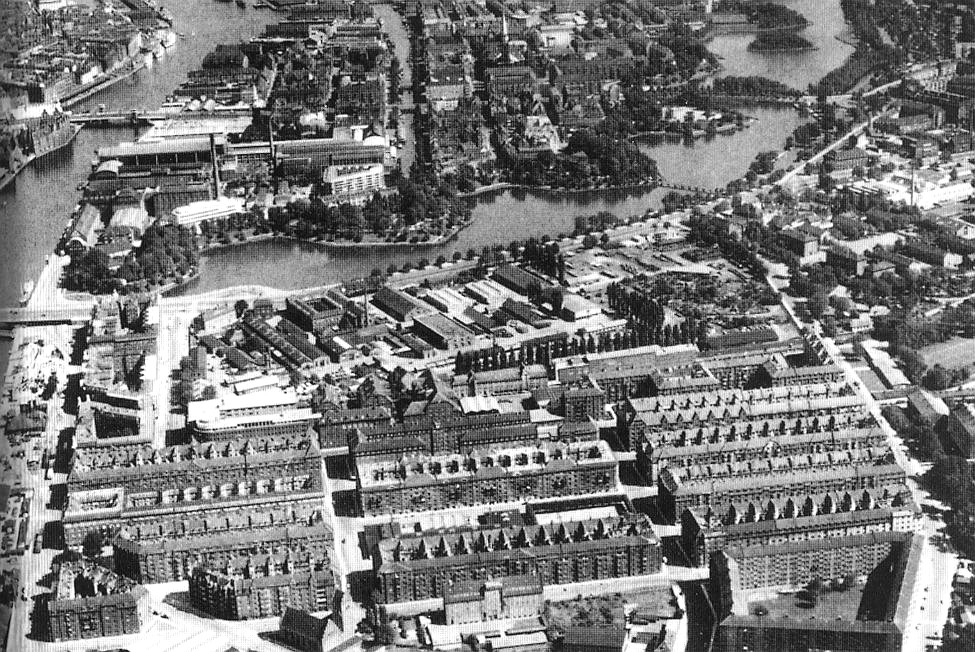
(730, 483)
(511, 585)
(420, 469)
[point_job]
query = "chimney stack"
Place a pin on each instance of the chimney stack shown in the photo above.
(216, 168)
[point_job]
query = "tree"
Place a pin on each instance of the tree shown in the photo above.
(817, 303)
(937, 378)
(240, 307)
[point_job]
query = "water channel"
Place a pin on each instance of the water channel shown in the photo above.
(795, 69)
(35, 209)
(500, 216)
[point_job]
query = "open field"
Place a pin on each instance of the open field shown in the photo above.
(955, 353)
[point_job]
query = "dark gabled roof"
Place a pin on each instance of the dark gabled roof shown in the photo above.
(604, 637)
(299, 620)
(397, 301)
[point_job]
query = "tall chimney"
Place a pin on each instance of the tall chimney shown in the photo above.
(216, 168)
(270, 142)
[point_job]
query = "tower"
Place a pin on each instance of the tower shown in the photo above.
(270, 143)
(215, 166)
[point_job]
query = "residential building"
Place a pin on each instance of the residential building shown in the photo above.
(514, 596)
(486, 476)
(232, 597)
(93, 602)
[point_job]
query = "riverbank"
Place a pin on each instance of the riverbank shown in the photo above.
(103, 85)
(325, 244)
(777, 49)
(780, 42)
(507, 185)
(10, 175)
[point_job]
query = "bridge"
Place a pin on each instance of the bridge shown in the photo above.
(949, 395)
(74, 313)
(683, 187)
(120, 118)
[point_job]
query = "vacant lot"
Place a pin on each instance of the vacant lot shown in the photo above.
(956, 353)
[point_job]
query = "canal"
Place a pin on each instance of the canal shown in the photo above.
(36, 208)
(500, 216)
(395, 27)
(795, 69)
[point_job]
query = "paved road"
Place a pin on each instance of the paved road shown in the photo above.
(939, 561)
(820, 154)
(172, 344)
(941, 565)
(35, 566)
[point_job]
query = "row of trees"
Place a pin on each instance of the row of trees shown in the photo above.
(779, 41)
(418, 201)
(636, 304)
(750, 86)
(543, 256)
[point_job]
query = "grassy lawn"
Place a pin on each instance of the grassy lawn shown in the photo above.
(956, 353)
(608, 609)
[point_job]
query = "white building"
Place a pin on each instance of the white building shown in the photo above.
(206, 210)
(348, 180)
(926, 194)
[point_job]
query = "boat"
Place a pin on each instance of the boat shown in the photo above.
(25, 291)
(167, 37)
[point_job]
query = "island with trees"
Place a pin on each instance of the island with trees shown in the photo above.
(780, 42)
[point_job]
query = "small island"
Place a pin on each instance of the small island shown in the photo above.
(770, 16)
(779, 42)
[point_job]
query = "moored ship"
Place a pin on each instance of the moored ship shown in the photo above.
(26, 290)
